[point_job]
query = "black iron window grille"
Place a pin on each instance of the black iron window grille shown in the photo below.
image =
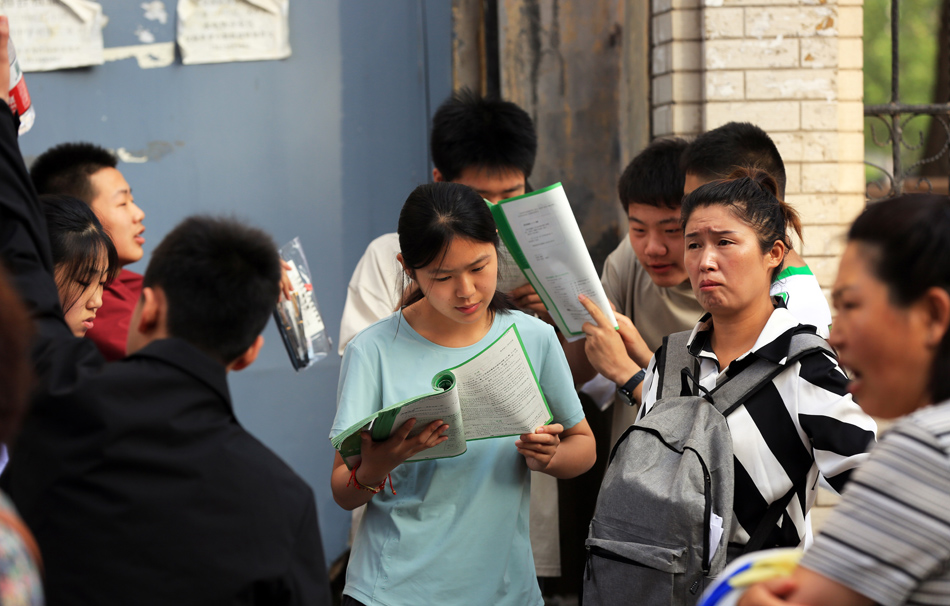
(895, 116)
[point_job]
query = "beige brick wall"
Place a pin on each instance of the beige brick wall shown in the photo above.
(793, 67)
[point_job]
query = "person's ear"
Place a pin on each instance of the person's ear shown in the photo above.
(411, 274)
(154, 311)
(437, 176)
(936, 302)
(776, 254)
(247, 358)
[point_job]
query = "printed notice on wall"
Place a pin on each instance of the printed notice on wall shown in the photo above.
(55, 34)
(217, 31)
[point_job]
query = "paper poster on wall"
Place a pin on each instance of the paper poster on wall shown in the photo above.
(55, 34)
(218, 31)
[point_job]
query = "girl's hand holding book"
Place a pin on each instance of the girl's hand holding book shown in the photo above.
(380, 458)
(538, 448)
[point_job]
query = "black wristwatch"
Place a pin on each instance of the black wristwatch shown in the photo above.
(626, 390)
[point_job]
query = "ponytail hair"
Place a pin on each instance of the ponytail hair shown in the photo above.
(752, 195)
(432, 217)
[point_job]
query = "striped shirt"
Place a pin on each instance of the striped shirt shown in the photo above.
(889, 538)
(802, 423)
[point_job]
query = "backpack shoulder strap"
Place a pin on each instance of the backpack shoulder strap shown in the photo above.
(805, 343)
(661, 365)
(767, 523)
(734, 392)
(673, 357)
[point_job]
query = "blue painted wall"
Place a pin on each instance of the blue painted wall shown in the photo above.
(325, 145)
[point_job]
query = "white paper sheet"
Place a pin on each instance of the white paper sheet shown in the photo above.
(219, 31)
(715, 534)
(434, 409)
(499, 393)
(546, 233)
(55, 34)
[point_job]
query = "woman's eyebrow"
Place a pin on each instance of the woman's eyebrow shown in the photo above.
(715, 232)
(443, 270)
(836, 293)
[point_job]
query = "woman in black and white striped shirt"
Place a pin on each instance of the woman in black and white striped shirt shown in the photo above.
(804, 422)
(888, 541)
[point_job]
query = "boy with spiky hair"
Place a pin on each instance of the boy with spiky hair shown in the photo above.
(485, 143)
(715, 154)
(644, 277)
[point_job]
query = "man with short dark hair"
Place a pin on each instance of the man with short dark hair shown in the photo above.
(483, 142)
(644, 277)
(651, 286)
(88, 172)
(715, 155)
(138, 482)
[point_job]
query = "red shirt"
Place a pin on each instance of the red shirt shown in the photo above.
(111, 327)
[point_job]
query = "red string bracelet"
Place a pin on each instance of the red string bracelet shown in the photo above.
(356, 483)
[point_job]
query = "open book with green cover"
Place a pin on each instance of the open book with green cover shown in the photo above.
(540, 231)
(494, 394)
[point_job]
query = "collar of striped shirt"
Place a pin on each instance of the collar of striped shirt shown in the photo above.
(772, 344)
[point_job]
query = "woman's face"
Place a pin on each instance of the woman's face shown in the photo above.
(86, 296)
(725, 263)
(883, 346)
(461, 284)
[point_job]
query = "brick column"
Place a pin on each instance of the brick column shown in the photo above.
(677, 68)
(792, 67)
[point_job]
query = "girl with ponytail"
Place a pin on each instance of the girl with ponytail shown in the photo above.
(448, 530)
(798, 424)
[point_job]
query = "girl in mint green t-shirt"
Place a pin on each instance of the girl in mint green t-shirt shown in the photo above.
(452, 530)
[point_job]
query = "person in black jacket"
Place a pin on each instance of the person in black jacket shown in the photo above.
(136, 478)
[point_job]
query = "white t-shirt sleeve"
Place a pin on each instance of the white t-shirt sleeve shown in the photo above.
(799, 287)
(374, 289)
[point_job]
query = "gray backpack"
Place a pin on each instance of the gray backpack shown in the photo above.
(649, 540)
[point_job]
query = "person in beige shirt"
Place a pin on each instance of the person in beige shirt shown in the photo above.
(644, 277)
